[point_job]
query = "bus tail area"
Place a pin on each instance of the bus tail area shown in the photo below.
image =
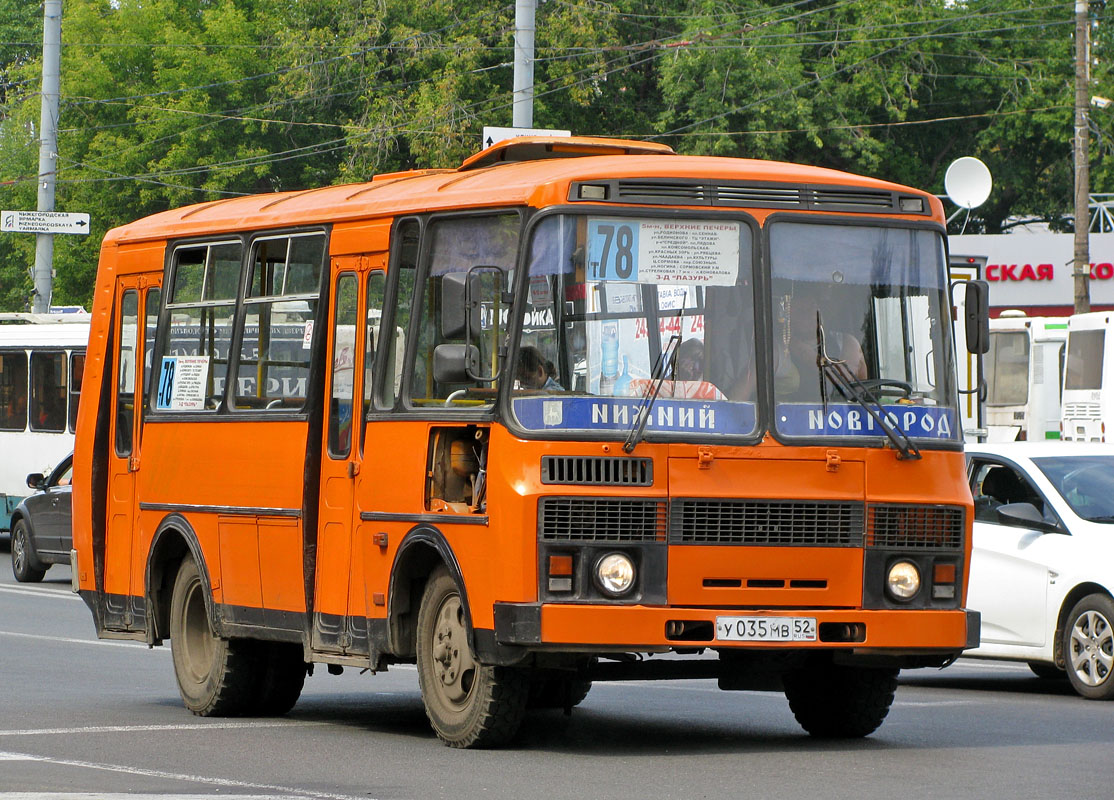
(1024, 372)
(41, 363)
(1088, 402)
(579, 410)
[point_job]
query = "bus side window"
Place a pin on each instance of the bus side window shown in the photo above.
(77, 369)
(376, 292)
(344, 366)
(201, 299)
(13, 391)
(151, 312)
(479, 252)
(125, 371)
(404, 266)
(48, 392)
(281, 309)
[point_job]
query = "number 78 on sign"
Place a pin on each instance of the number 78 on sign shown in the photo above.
(612, 250)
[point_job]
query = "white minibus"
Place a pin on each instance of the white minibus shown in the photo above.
(41, 361)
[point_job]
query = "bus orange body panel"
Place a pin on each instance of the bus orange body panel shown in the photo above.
(309, 434)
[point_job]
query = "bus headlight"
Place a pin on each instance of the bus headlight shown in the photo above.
(615, 574)
(903, 581)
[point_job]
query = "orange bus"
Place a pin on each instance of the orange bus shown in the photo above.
(578, 410)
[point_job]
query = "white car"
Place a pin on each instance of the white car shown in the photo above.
(1042, 562)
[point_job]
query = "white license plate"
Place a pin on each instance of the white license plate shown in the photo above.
(766, 629)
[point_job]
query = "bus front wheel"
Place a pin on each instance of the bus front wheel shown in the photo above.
(469, 704)
(832, 701)
(215, 676)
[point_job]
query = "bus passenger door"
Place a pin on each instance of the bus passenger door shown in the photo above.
(339, 466)
(123, 460)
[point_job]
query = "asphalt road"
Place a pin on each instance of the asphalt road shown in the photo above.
(85, 718)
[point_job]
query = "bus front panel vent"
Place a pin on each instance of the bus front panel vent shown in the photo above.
(597, 471)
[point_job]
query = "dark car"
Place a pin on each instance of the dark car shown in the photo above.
(41, 533)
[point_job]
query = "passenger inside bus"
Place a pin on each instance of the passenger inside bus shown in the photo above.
(687, 373)
(534, 371)
(796, 371)
(48, 404)
(15, 412)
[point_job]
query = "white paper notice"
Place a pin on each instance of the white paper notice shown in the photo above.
(182, 382)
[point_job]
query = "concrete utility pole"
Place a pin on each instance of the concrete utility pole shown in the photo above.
(523, 108)
(1082, 271)
(48, 150)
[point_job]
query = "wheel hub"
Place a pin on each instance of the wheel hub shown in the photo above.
(453, 663)
(1092, 648)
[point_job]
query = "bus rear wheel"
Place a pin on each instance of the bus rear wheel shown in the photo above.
(280, 677)
(831, 701)
(469, 704)
(215, 676)
(566, 693)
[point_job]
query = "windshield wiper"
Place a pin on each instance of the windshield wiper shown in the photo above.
(852, 388)
(642, 416)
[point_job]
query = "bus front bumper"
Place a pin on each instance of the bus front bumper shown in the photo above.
(613, 628)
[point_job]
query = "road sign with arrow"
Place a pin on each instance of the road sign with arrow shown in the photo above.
(43, 222)
(493, 135)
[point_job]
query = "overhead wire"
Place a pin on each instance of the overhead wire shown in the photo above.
(593, 73)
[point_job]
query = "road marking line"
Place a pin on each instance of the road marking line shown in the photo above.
(176, 776)
(199, 726)
(27, 590)
(69, 640)
(1000, 666)
(128, 796)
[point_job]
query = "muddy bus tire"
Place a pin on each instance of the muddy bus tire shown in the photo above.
(215, 676)
(280, 676)
(468, 704)
(25, 564)
(562, 693)
(839, 702)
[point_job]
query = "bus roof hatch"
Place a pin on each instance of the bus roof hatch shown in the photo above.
(535, 148)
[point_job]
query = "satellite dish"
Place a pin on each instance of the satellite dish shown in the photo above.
(967, 182)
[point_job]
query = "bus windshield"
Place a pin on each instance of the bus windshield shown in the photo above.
(1008, 365)
(871, 299)
(622, 308)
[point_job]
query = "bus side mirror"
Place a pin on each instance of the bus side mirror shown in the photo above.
(463, 295)
(456, 363)
(456, 316)
(976, 306)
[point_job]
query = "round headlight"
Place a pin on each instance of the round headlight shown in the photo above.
(615, 574)
(903, 580)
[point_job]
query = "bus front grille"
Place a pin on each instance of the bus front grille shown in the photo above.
(601, 519)
(766, 522)
(1082, 411)
(921, 527)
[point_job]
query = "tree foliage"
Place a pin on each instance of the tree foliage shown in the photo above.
(169, 102)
